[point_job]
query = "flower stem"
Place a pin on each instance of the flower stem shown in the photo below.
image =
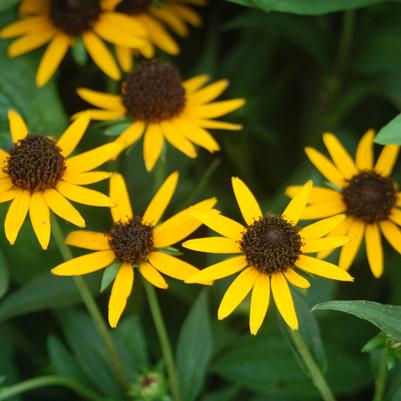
(380, 382)
(44, 381)
(91, 307)
(164, 340)
(314, 371)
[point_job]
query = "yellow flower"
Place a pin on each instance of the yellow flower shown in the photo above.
(59, 23)
(163, 107)
(135, 241)
(361, 189)
(176, 14)
(271, 252)
(38, 175)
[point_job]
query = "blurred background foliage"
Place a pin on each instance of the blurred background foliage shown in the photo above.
(304, 66)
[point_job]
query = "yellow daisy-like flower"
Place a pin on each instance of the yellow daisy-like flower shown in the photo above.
(59, 22)
(38, 175)
(163, 107)
(271, 252)
(175, 14)
(135, 241)
(364, 191)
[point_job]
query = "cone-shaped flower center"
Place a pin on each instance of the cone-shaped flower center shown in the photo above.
(35, 163)
(133, 7)
(154, 92)
(131, 241)
(74, 16)
(271, 244)
(369, 197)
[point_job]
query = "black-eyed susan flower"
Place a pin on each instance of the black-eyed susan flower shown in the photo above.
(59, 23)
(175, 14)
(163, 107)
(135, 241)
(271, 252)
(37, 175)
(364, 191)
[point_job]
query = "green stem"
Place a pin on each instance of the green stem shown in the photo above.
(91, 307)
(45, 381)
(164, 341)
(314, 371)
(380, 382)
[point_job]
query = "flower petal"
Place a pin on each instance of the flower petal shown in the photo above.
(18, 127)
(119, 195)
(387, 159)
(73, 135)
(297, 205)
(320, 244)
(152, 275)
(321, 227)
(152, 145)
(131, 134)
(217, 109)
(259, 302)
(39, 214)
(30, 42)
(86, 178)
(171, 266)
(178, 140)
(209, 92)
(213, 245)
(324, 209)
(349, 250)
(84, 195)
(193, 84)
(103, 100)
(16, 215)
(392, 234)
(91, 240)
(296, 279)
(374, 249)
(364, 152)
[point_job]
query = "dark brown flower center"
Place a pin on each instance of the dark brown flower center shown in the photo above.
(271, 244)
(369, 197)
(35, 163)
(74, 16)
(154, 92)
(131, 241)
(133, 7)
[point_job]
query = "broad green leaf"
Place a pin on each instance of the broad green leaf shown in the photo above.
(386, 317)
(391, 132)
(194, 348)
(4, 274)
(308, 7)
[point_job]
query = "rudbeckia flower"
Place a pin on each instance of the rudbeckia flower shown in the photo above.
(135, 241)
(175, 14)
(271, 252)
(364, 191)
(38, 175)
(59, 23)
(161, 106)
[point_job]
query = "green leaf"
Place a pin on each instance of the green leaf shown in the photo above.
(308, 7)
(386, 317)
(194, 348)
(79, 52)
(6, 4)
(4, 275)
(108, 275)
(390, 133)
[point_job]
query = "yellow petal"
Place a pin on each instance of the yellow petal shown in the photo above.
(322, 268)
(283, 300)
(161, 200)
(73, 134)
(392, 234)
(101, 55)
(296, 279)
(171, 19)
(217, 109)
(33, 7)
(101, 115)
(5, 184)
(119, 195)
(16, 215)
(213, 124)
(321, 228)
(85, 264)
(103, 100)
(39, 214)
(24, 26)
(395, 216)
(364, 152)
(374, 249)
(320, 244)
(131, 134)
(152, 275)
(187, 14)
(52, 57)
(86, 178)
(209, 92)
(324, 209)
(91, 240)
(193, 84)
(181, 225)
(178, 140)
(18, 128)
(153, 145)
(218, 270)
(213, 245)
(221, 224)
(120, 292)
(259, 302)
(387, 159)
(84, 195)
(296, 207)
(349, 250)
(325, 166)
(171, 266)
(9, 195)
(237, 291)
(247, 203)
(317, 195)
(63, 208)
(339, 155)
(30, 42)
(125, 57)
(129, 25)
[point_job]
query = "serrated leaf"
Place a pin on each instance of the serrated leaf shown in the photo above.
(194, 348)
(386, 317)
(390, 133)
